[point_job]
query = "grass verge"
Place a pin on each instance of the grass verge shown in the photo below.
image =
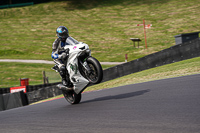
(182, 68)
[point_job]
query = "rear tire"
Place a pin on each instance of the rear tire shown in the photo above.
(72, 97)
(97, 73)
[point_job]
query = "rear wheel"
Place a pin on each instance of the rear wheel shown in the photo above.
(71, 96)
(96, 74)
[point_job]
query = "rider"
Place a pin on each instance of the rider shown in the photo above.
(59, 53)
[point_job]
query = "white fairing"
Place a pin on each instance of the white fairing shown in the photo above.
(76, 78)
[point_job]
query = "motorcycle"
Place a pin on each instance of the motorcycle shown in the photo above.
(83, 70)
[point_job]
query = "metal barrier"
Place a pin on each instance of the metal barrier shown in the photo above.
(173, 54)
(43, 93)
(13, 100)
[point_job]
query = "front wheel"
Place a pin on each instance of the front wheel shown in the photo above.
(96, 74)
(71, 96)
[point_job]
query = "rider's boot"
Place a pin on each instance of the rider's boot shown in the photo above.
(56, 68)
(65, 77)
(62, 72)
(69, 83)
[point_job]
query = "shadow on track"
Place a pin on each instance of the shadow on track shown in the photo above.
(120, 96)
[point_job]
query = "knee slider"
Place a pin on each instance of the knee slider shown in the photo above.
(62, 70)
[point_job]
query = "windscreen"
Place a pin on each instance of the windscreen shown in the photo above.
(70, 40)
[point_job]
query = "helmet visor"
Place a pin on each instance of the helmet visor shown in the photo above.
(62, 35)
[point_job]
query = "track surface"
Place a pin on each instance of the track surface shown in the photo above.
(163, 106)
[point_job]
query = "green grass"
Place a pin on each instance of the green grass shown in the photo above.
(11, 73)
(107, 25)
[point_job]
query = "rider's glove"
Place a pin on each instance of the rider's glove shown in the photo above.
(67, 51)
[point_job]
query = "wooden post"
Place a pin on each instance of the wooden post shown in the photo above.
(47, 80)
(145, 34)
(126, 57)
(44, 77)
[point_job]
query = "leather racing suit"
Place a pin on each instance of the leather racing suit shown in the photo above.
(58, 52)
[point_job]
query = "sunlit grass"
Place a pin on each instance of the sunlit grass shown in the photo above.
(107, 26)
(10, 73)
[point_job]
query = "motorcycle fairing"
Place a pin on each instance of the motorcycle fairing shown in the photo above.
(76, 78)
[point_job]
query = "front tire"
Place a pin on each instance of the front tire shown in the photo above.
(96, 75)
(72, 97)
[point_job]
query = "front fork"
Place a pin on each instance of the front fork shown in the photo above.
(86, 66)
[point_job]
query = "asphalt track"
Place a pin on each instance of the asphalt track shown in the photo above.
(162, 106)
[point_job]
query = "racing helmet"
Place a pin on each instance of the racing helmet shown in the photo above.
(62, 32)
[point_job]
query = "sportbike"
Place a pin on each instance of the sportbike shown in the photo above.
(83, 69)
